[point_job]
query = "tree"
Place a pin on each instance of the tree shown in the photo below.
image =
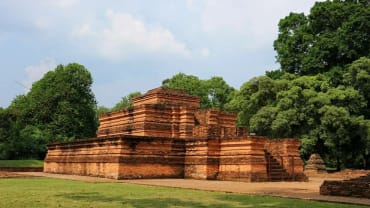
(62, 102)
(334, 34)
(126, 102)
(342, 134)
(219, 92)
(190, 84)
(329, 111)
(102, 109)
(358, 76)
(59, 107)
(328, 119)
(253, 95)
(214, 92)
(7, 123)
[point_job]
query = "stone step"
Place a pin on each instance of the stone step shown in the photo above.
(275, 171)
(278, 173)
(275, 166)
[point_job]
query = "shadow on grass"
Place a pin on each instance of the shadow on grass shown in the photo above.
(253, 201)
(143, 202)
(269, 201)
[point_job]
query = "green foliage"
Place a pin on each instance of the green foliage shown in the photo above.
(126, 102)
(219, 92)
(190, 84)
(11, 145)
(358, 76)
(63, 104)
(329, 111)
(59, 107)
(253, 95)
(101, 110)
(214, 92)
(328, 119)
(274, 74)
(334, 34)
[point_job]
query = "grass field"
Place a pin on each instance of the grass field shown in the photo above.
(44, 192)
(21, 163)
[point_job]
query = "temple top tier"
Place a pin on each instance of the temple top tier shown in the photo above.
(168, 96)
(169, 113)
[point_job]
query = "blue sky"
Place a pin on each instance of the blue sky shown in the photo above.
(130, 45)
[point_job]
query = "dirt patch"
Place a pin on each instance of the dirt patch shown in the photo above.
(8, 174)
(341, 175)
(5, 174)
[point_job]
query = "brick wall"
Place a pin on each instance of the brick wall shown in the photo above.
(118, 157)
(286, 151)
(242, 159)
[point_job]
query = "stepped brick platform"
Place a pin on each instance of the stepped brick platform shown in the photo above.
(166, 135)
(356, 187)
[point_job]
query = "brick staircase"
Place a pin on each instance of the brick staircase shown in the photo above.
(275, 171)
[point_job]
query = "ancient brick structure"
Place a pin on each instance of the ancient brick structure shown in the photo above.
(164, 112)
(315, 165)
(166, 135)
(357, 187)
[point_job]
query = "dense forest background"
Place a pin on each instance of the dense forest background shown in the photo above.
(321, 93)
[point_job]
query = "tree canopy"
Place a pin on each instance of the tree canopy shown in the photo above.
(126, 101)
(328, 119)
(333, 34)
(59, 107)
(214, 92)
(321, 92)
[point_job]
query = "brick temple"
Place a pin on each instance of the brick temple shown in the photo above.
(166, 135)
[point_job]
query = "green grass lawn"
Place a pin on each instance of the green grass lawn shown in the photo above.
(44, 192)
(21, 163)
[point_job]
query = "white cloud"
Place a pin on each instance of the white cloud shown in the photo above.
(42, 22)
(190, 3)
(35, 72)
(256, 22)
(63, 3)
(84, 30)
(125, 35)
(204, 52)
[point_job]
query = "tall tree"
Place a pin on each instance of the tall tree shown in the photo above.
(358, 76)
(59, 107)
(62, 102)
(334, 34)
(328, 119)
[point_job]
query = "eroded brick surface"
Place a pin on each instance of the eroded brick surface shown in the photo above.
(357, 187)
